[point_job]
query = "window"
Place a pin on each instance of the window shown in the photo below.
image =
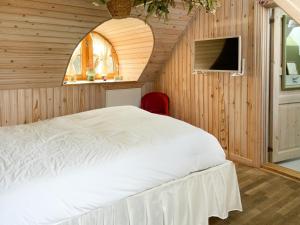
(95, 54)
(75, 65)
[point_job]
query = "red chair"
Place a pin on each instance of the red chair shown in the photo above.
(156, 102)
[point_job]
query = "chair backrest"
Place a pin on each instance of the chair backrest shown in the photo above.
(156, 102)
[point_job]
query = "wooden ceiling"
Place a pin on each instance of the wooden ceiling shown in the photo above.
(133, 41)
(37, 39)
(292, 7)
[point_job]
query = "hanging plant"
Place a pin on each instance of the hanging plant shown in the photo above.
(118, 9)
(157, 8)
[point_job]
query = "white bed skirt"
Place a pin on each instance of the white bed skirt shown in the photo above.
(188, 201)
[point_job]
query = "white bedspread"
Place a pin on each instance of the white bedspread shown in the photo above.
(54, 170)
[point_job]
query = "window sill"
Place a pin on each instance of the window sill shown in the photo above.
(107, 85)
(78, 82)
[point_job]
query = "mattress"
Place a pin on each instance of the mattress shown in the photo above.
(66, 167)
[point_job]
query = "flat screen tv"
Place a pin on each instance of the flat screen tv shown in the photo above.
(218, 55)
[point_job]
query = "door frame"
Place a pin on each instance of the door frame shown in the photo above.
(279, 97)
(263, 56)
(262, 69)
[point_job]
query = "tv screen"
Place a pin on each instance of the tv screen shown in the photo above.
(218, 55)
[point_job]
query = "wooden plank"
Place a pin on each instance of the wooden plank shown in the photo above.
(70, 97)
(42, 35)
(36, 105)
(279, 206)
(64, 101)
(76, 99)
(50, 103)
(21, 106)
(57, 102)
(43, 103)
(92, 97)
(133, 50)
(292, 7)
(5, 109)
(282, 170)
(28, 106)
(13, 111)
(226, 106)
(81, 99)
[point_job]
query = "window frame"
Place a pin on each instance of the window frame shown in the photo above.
(87, 58)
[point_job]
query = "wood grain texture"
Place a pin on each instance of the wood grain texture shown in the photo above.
(266, 198)
(37, 39)
(291, 7)
(22, 106)
(284, 171)
(227, 107)
(285, 105)
(166, 35)
(31, 105)
(133, 41)
(289, 132)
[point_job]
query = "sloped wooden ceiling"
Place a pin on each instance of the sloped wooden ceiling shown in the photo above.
(166, 35)
(292, 7)
(133, 41)
(37, 39)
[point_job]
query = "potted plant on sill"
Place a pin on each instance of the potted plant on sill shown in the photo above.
(158, 8)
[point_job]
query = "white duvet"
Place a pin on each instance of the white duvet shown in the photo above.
(53, 170)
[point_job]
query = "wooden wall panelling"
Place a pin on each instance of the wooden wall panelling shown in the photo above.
(21, 106)
(226, 106)
(31, 105)
(37, 39)
(133, 41)
(147, 88)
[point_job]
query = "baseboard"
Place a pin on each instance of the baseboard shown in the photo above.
(292, 174)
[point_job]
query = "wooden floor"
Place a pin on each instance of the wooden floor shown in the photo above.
(268, 199)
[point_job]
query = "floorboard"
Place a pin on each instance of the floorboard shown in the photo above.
(268, 199)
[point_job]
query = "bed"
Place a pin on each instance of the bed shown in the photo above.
(113, 166)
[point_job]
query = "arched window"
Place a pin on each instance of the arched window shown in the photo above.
(94, 55)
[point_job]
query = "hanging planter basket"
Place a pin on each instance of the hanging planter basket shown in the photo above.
(119, 9)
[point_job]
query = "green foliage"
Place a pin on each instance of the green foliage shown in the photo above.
(160, 8)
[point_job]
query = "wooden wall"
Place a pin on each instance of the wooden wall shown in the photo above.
(37, 39)
(21, 106)
(166, 35)
(133, 41)
(31, 105)
(226, 106)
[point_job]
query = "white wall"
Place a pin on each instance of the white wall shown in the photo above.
(120, 97)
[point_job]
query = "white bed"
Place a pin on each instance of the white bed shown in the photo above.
(73, 169)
